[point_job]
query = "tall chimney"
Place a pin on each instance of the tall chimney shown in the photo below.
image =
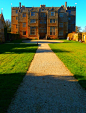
(19, 5)
(65, 4)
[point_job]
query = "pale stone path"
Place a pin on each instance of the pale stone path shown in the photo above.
(48, 87)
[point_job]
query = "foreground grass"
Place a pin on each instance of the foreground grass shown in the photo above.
(14, 62)
(73, 54)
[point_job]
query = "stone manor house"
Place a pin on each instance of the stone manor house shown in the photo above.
(43, 22)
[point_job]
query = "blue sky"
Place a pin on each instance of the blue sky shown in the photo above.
(80, 7)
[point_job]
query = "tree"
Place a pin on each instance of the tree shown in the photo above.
(84, 30)
(8, 25)
(78, 29)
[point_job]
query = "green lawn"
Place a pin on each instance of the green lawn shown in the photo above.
(14, 62)
(73, 54)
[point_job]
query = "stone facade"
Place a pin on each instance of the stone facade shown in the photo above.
(2, 39)
(43, 22)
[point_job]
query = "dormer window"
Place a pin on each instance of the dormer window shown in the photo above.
(52, 13)
(32, 13)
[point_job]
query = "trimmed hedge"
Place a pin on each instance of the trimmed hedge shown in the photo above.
(11, 37)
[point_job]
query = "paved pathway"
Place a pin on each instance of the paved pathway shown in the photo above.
(48, 87)
(42, 41)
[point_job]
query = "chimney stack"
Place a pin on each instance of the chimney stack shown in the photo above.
(19, 5)
(65, 4)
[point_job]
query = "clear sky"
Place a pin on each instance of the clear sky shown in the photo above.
(80, 7)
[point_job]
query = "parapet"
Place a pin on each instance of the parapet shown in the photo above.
(15, 7)
(71, 8)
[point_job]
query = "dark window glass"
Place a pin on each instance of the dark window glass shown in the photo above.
(52, 30)
(52, 13)
(16, 18)
(24, 32)
(24, 14)
(42, 30)
(61, 14)
(24, 24)
(60, 33)
(16, 11)
(33, 21)
(42, 21)
(52, 20)
(43, 15)
(32, 13)
(60, 24)
(32, 30)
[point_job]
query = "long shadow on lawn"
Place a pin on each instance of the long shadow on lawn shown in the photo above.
(8, 86)
(17, 48)
(24, 48)
(81, 80)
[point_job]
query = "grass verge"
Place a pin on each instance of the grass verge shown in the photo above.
(73, 54)
(14, 62)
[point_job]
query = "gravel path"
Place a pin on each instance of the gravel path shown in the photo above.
(48, 87)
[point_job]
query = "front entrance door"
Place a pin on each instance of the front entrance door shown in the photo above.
(42, 24)
(42, 32)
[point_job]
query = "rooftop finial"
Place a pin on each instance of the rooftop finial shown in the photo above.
(1, 10)
(19, 5)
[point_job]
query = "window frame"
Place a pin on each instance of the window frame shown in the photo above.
(33, 21)
(16, 17)
(32, 13)
(33, 30)
(43, 21)
(61, 33)
(61, 25)
(61, 15)
(16, 11)
(24, 32)
(52, 13)
(51, 21)
(24, 24)
(24, 15)
(52, 31)
(43, 14)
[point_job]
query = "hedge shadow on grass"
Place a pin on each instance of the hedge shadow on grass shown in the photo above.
(81, 80)
(17, 48)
